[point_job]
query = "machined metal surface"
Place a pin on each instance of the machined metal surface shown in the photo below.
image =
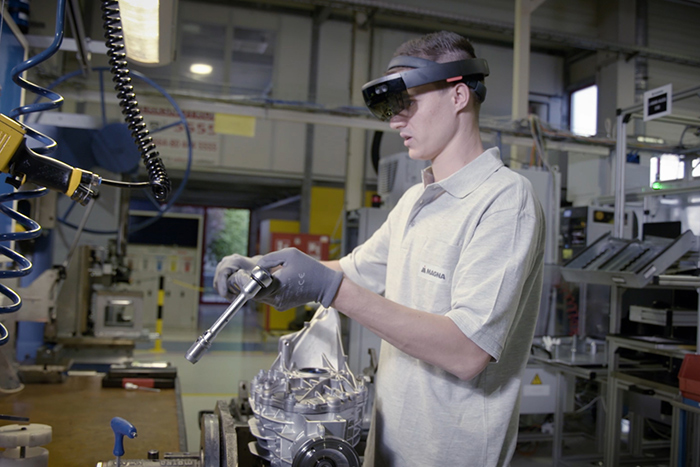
(628, 263)
(259, 278)
(659, 317)
(209, 441)
(326, 452)
(309, 395)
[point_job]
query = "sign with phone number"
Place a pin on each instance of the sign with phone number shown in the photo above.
(172, 142)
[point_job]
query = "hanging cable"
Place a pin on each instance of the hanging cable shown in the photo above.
(538, 138)
(122, 184)
(2, 17)
(158, 177)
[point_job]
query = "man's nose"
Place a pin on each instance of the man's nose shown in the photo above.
(397, 121)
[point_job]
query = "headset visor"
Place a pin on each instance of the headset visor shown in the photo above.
(387, 96)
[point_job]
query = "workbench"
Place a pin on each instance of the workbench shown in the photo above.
(79, 411)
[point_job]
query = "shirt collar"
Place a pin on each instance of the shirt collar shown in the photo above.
(469, 177)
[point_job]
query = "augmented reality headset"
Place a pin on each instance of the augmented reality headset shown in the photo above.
(387, 95)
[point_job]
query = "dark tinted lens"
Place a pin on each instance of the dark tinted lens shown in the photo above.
(389, 106)
(385, 99)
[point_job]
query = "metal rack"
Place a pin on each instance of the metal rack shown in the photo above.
(619, 380)
(632, 263)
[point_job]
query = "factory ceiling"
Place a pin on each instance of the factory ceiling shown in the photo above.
(421, 19)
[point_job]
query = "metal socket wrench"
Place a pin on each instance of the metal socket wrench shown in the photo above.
(259, 279)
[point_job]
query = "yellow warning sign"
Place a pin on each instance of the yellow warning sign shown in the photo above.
(536, 379)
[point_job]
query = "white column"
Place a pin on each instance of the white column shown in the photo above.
(521, 63)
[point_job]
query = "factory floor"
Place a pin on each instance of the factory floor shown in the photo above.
(239, 353)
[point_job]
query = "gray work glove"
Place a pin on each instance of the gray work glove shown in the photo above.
(300, 280)
(225, 270)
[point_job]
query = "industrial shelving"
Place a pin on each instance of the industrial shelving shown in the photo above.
(619, 379)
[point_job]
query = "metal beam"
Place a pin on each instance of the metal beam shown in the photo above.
(677, 96)
(357, 138)
(68, 45)
(623, 117)
(307, 183)
(557, 38)
(347, 118)
(81, 41)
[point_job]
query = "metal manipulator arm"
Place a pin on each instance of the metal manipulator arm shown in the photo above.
(259, 279)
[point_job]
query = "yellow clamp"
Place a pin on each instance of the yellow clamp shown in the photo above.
(11, 137)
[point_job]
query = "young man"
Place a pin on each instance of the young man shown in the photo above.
(458, 262)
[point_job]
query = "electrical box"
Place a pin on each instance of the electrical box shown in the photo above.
(539, 391)
(180, 270)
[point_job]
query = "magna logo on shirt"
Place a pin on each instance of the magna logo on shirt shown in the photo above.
(433, 273)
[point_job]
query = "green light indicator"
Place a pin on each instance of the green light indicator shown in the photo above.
(656, 186)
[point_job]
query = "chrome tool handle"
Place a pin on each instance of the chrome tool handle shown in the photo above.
(259, 279)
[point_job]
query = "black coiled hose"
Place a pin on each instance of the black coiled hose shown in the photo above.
(157, 176)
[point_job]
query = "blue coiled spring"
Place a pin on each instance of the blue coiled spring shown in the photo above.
(21, 266)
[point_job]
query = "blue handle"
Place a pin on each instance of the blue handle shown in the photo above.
(121, 428)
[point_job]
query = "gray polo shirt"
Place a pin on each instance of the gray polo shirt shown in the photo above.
(469, 247)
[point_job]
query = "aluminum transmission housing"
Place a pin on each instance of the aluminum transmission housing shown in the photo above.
(309, 406)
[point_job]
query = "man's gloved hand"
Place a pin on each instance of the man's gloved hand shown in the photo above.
(225, 270)
(299, 280)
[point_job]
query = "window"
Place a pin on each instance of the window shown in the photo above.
(251, 61)
(666, 167)
(226, 232)
(584, 111)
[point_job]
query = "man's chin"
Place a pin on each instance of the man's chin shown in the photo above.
(417, 156)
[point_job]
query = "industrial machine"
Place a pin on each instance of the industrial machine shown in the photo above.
(33, 164)
(89, 313)
(582, 225)
(397, 173)
(305, 411)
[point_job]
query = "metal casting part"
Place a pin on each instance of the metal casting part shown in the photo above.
(309, 406)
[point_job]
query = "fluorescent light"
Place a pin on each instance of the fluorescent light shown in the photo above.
(149, 30)
(201, 69)
(650, 140)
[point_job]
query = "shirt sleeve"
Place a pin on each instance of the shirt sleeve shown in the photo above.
(490, 275)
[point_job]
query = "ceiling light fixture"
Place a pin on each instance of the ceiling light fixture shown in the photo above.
(201, 69)
(149, 30)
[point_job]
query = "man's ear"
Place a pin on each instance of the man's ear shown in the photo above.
(461, 96)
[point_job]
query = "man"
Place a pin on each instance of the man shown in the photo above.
(459, 262)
